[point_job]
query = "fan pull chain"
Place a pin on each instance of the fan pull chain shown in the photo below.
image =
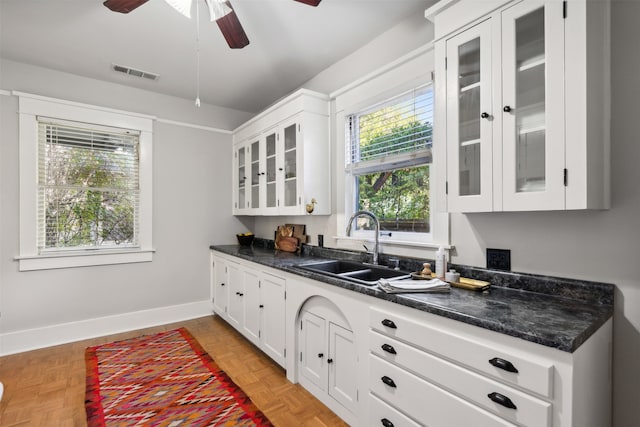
(197, 55)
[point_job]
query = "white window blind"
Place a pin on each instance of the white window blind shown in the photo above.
(394, 134)
(88, 186)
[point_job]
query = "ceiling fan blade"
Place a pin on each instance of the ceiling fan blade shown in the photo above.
(232, 30)
(124, 6)
(310, 2)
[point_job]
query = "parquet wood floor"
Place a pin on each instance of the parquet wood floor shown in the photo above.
(46, 387)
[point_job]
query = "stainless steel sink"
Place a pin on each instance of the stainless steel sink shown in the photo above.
(359, 272)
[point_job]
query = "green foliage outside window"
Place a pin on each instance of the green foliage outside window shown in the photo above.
(89, 195)
(398, 197)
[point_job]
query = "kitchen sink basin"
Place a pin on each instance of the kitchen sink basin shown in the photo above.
(359, 272)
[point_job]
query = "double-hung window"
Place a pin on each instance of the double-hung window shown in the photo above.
(88, 186)
(85, 185)
(388, 164)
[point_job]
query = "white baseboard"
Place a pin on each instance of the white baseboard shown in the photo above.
(32, 339)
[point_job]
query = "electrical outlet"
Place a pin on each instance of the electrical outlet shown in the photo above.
(499, 259)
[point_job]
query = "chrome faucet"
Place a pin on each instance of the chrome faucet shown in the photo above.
(377, 232)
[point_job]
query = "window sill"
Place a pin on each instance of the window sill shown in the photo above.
(82, 259)
(389, 242)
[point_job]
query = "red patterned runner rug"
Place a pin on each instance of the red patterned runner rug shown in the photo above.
(166, 379)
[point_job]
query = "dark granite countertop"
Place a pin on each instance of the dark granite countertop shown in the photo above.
(554, 312)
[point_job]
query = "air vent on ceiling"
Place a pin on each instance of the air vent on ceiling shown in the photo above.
(135, 72)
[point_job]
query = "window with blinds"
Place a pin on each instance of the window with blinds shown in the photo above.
(88, 186)
(388, 157)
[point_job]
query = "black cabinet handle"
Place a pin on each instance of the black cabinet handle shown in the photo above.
(388, 381)
(239, 294)
(386, 423)
(221, 284)
(329, 360)
(320, 355)
(389, 324)
(280, 169)
(502, 400)
(261, 306)
(503, 364)
(484, 115)
(389, 349)
(506, 109)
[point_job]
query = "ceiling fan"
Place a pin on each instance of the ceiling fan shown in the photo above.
(220, 11)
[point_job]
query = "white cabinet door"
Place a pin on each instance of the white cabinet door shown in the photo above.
(270, 206)
(533, 106)
(272, 322)
(242, 195)
(235, 308)
(342, 366)
(256, 174)
(470, 120)
(312, 344)
(251, 301)
(220, 286)
(289, 167)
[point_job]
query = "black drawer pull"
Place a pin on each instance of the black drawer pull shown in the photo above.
(503, 364)
(386, 423)
(502, 400)
(221, 284)
(389, 349)
(388, 381)
(389, 324)
(320, 355)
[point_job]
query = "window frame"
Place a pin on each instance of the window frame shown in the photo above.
(375, 89)
(30, 258)
(401, 161)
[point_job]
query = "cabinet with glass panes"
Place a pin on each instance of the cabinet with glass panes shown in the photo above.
(523, 104)
(289, 159)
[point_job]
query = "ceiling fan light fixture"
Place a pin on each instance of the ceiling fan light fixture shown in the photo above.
(217, 9)
(182, 6)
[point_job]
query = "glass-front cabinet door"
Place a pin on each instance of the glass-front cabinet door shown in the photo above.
(242, 195)
(256, 174)
(533, 106)
(271, 196)
(469, 120)
(289, 168)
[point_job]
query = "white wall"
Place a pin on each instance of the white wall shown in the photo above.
(191, 209)
(411, 34)
(592, 245)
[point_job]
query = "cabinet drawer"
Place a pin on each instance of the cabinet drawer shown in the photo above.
(498, 361)
(423, 401)
(383, 415)
(469, 385)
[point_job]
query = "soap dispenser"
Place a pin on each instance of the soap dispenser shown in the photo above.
(441, 262)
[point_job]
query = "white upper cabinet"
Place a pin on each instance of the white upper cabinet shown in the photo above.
(281, 159)
(522, 104)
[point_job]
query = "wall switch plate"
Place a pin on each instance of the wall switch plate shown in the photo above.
(499, 259)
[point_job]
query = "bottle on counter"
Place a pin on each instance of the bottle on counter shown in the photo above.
(441, 262)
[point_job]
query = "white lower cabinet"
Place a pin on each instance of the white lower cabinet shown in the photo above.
(253, 302)
(378, 363)
(425, 402)
(439, 372)
(384, 415)
(327, 356)
(219, 284)
(272, 316)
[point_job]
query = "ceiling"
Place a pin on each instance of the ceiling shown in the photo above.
(289, 43)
